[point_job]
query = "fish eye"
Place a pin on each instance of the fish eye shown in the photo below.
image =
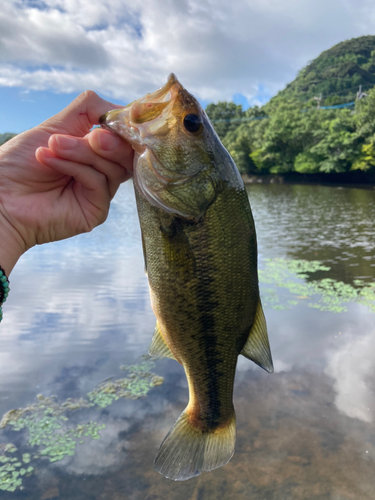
(193, 123)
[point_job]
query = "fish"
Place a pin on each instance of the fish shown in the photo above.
(200, 251)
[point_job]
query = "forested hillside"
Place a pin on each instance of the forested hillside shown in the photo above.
(290, 134)
(336, 73)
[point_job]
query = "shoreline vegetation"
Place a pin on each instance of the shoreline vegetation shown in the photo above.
(346, 179)
(320, 128)
(295, 144)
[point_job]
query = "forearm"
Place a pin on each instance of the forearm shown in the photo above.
(11, 247)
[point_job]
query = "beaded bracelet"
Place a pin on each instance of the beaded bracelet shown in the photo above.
(4, 290)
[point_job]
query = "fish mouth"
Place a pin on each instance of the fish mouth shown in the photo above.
(142, 117)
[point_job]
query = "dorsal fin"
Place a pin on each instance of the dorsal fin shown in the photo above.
(257, 347)
(158, 347)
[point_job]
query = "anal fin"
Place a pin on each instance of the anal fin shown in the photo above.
(158, 347)
(257, 347)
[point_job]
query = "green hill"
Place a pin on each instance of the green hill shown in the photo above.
(336, 73)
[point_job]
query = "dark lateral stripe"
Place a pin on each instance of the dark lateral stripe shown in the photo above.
(210, 350)
(206, 305)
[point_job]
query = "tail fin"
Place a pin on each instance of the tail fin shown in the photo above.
(187, 450)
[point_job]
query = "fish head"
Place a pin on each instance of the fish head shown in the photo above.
(176, 149)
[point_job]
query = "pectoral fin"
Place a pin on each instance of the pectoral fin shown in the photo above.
(158, 347)
(257, 347)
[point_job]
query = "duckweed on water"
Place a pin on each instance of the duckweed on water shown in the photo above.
(48, 426)
(326, 294)
(138, 383)
(12, 469)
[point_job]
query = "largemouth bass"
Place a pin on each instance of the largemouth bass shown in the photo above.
(200, 253)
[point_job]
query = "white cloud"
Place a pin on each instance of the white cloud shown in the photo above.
(124, 48)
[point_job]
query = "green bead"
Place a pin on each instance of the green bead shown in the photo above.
(3, 279)
(1, 272)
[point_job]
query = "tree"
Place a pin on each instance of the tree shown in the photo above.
(340, 144)
(238, 144)
(225, 116)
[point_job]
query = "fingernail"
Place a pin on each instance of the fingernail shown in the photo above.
(47, 153)
(44, 153)
(108, 141)
(64, 142)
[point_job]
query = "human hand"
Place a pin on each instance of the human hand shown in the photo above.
(57, 179)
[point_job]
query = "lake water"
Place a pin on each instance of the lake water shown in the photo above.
(79, 311)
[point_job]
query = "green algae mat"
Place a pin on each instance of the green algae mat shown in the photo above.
(50, 433)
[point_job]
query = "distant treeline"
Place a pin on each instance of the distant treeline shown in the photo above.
(5, 137)
(284, 137)
(291, 138)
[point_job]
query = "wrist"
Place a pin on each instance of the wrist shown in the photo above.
(11, 246)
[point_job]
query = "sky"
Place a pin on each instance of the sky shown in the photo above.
(246, 51)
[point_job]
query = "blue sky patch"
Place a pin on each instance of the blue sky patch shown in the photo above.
(21, 109)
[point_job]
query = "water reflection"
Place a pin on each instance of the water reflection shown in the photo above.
(330, 224)
(79, 309)
(353, 371)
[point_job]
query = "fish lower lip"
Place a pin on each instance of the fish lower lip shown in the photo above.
(105, 125)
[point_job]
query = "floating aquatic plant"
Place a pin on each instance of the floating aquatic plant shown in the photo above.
(287, 277)
(48, 426)
(138, 383)
(12, 468)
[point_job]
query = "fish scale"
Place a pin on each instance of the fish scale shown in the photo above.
(200, 250)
